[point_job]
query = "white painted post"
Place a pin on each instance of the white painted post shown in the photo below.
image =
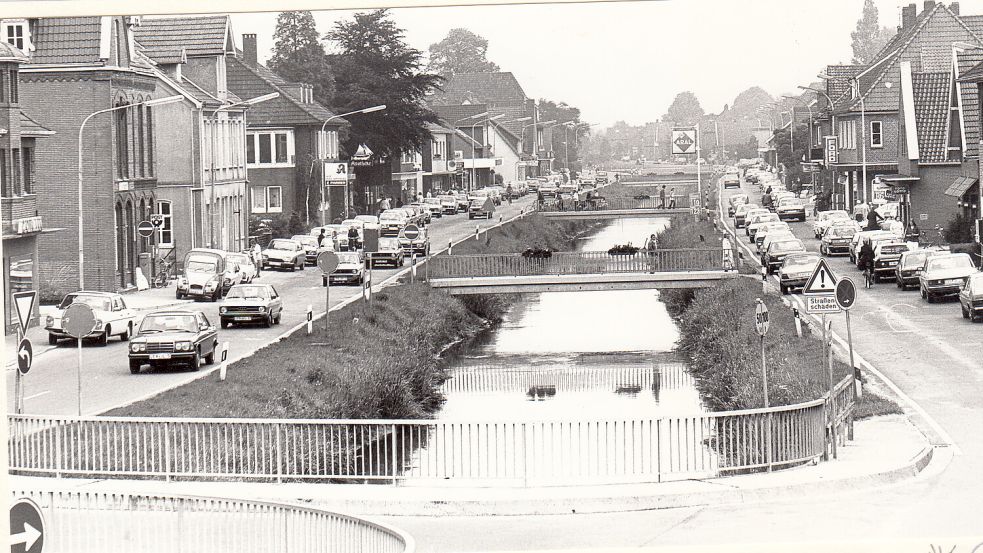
(798, 321)
(310, 319)
(450, 247)
(476, 233)
(223, 365)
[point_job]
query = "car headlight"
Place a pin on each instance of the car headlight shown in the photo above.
(137, 347)
(98, 324)
(182, 346)
(222, 309)
(50, 321)
(262, 309)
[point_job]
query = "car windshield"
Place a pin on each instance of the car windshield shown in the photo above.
(249, 292)
(894, 249)
(306, 240)
(787, 246)
(917, 258)
(392, 216)
(388, 244)
(800, 262)
(841, 232)
(168, 323)
(95, 302)
(200, 266)
(432, 201)
(944, 263)
(283, 245)
(367, 218)
(836, 215)
(349, 258)
(240, 259)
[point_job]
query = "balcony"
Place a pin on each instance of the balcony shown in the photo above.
(20, 215)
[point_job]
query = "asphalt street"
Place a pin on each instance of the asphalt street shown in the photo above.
(50, 387)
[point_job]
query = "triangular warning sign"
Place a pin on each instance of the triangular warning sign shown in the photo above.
(822, 281)
(24, 302)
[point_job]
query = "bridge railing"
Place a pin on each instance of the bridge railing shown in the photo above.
(550, 205)
(436, 451)
(577, 263)
(105, 522)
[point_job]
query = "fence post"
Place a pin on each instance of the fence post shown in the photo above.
(658, 449)
(279, 454)
(167, 451)
(525, 463)
(394, 459)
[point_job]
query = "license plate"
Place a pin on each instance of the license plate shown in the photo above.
(160, 355)
(954, 281)
(242, 318)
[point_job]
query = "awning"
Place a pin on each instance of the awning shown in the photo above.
(960, 186)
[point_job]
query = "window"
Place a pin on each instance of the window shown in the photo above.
(876, 135)
(150, 142)
(259, 199)
(274, 201)
(4, 177)
(847, 139)
(13, 87)
(439, 147)
(141, 152)
(3, 86)
(327, 144)
(274, 148)
(165, 234)
(122, 144)
(15, 173)
(28, 170)
(15, 32)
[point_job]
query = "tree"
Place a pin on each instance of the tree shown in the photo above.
(791, 158)
(299, 56)
(685, 110)
(373, 65)
(869, 37)
(461, 51)
(562, 113)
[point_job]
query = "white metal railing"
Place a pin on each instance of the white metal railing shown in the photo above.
(105, 522)
(507, 452)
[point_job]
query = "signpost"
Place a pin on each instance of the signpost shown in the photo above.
(24, 303)
(78, 321)
(26, 527)
(761, 327)
(25, 355)
(145, 229)
(411, 232)
(327, 262)
(846, 297)
(822, 297)
(157, 220)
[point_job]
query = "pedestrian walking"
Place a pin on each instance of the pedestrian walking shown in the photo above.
(651, 245)
(672, 198)
(539, 199)
(320, 237)
(662, 197)
(257, 258)
(508, 193)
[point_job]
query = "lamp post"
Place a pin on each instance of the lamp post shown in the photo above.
(81, 233)
(477, 116)
(348, 173)
(211, 177)
(519, 120)
(474, 169)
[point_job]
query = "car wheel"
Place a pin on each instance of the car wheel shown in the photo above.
(103, 338)
(52, 340)
(210, 358)
(784, 290)
(195, 362)
(963, 309)
(135, 367)
(268, 322)
(216, 295)
(178, 295)
(126, 333)
(279, 317)
(930, 298)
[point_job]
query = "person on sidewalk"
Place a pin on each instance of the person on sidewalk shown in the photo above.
(257, 259)
(651, 246)
(320, 237)
(662, 197)
(672, 198)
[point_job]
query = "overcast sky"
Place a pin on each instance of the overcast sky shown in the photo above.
(627, 60)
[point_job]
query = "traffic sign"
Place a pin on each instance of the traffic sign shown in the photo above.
(683, 141)
(26, 527)
(327, 262)
(145, 228)
(761, 318)
(78, 320)
(411, 232)
(846, 294)
(822, 281)
(822, 304)
(24, 302)
(25, 355)
(156, 219)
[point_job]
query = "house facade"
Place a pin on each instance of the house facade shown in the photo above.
(440, 169)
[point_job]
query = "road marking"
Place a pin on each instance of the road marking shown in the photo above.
(939, 431)
(37, 395)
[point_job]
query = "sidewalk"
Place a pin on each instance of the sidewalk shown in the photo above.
(144, 300)
(886, 450)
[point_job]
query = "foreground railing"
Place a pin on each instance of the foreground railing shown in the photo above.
(515, 453)
(89, 521)
(579, 263)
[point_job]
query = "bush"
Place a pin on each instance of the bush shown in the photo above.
(959, 230)
(295, 225)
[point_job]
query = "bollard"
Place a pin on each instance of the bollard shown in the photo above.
(798, 322)
(500, 219)
(223, 365)
(764, 278)
(476, 232)
(310, 319)
(450, 247)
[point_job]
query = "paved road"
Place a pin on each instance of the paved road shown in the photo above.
(106, 381)
(930, 352)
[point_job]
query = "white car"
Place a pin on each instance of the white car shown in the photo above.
(755, 221)
(368, 221)
(113, 317)
(392, 221)
(247, 269)
(284, 254)
(826, 218)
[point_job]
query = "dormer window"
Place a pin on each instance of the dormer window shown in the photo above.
(17, 32)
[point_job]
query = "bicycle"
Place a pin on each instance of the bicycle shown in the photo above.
(925, 240)
(162, 278)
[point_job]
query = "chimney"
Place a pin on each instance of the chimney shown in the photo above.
(928, 6)
(249, 49)
(908, 16)
(954, 8)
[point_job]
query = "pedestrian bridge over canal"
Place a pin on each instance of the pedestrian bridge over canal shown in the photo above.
(579, 271)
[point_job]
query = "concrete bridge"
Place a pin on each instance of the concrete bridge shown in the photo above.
(618, 207)
(579, 271)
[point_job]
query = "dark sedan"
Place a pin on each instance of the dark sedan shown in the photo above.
(167, 338)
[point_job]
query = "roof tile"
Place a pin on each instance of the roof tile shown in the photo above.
(165, 37)
(60, 40)
(931, 93)
(250, 81)
(496, 89)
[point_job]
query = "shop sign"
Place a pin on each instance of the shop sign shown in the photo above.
(829, 147)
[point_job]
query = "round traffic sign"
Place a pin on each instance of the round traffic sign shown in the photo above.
(761, 318)
(78, 320)
(327, 262)
(25, 356)
(411, 232)
(846, 293)
(145, 228)
(26, 527)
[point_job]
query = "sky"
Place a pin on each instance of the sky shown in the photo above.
(627, 60)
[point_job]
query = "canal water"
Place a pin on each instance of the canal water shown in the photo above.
(577, 355)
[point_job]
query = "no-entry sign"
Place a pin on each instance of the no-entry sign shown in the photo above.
(145, 228)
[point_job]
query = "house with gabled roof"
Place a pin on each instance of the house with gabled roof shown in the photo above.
(440, 169)
(78, 66)
(286, 148)
(201, 173)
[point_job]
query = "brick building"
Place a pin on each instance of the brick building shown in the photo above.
(439, 166)
(80, 66)
(22, 223)
(285, 147)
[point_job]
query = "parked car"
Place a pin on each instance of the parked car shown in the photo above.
(251, 303)
(166, 338)
(756, 220)
(944, 275)
(971, 298)
(767, 228)
(351, 269)
(392, 221)
(310, 246)
(734, 201)
(791, 208)
(246, 266)
(886, 257)
(909, 266)
(826, 218)
(389, 252)
(778, 250)
(433, 204)
(732, 180)
(836, 240)
(113, 317)
(796, 270)
(742, 212)
(207, 274)
(283, 254)
(419, 245)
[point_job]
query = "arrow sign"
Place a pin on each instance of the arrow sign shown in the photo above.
(25, 355)
(26, 527)
(24, 302)
(822, 281)
(846, 294)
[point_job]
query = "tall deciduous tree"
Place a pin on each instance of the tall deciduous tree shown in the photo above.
(869, 37)
(461, 51)
(299, 56)
(561, 112)
(373, 65)
(685, 110)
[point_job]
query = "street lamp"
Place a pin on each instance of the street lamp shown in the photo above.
(81, 233)
(348, 173)
(477, 116)
(211, 179)
(809, 107)
(519, 120)
(474, 169)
